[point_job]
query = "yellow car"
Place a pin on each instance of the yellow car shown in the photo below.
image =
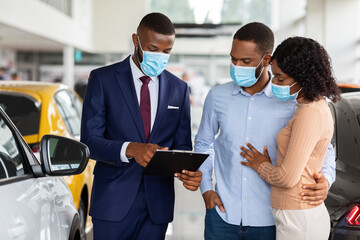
(39, 108)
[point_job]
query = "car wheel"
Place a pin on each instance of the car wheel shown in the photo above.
(75, 228)
(82, 213)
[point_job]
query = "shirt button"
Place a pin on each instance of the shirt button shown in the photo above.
(252, 99)
(249, 118)
(244, 199)
(244, 178)
(246, 138)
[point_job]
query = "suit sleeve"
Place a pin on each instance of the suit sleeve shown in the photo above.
(182, 140)
(93, 125)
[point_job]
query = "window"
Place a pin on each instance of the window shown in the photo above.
(23, 110)
(61, 5)
(221, 11)
(11, 160)
(355, 103)
(69, 111)
(77, 102)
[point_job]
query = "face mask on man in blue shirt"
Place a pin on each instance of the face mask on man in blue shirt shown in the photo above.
(245, 76)
(153, 63)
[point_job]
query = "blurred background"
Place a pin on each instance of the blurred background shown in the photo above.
(63, 40)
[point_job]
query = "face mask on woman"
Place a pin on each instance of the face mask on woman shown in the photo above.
(153, 63)
(283, 92)
(245, 76)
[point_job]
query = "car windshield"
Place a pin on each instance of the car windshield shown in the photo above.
(23, 110)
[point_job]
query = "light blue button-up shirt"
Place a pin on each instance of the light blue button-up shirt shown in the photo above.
(232, 117)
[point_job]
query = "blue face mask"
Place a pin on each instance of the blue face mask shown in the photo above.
(244, 76)
(153, 63)
(283, 92)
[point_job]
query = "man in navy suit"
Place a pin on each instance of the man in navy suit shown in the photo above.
(131, 109)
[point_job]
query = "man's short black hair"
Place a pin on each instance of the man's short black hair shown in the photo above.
(157, 22)
(258, 33)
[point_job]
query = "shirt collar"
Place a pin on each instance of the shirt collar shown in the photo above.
(136, 72)
(267, 89)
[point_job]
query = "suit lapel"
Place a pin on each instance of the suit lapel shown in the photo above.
(126, 82)
(164, 93)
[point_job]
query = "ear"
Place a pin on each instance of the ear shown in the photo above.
(135, 40)
(267, 59)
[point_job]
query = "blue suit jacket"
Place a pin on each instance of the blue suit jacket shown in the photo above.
(111, 116)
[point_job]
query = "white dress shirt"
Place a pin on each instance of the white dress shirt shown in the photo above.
(154, 96)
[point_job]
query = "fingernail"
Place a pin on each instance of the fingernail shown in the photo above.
(302, 194)
(304, 187)
(176, 175)
(304, 198)
(183, 171)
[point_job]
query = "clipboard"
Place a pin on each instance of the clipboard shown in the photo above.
(169, 162)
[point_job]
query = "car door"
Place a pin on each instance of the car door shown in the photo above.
(27, 204)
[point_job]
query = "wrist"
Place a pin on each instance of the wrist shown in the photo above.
(130, 150)
(257, 165)
(206, 193)
(329, 180)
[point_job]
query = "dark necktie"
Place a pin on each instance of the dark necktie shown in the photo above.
(145, 107)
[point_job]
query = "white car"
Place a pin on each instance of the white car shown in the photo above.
(35, 202)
